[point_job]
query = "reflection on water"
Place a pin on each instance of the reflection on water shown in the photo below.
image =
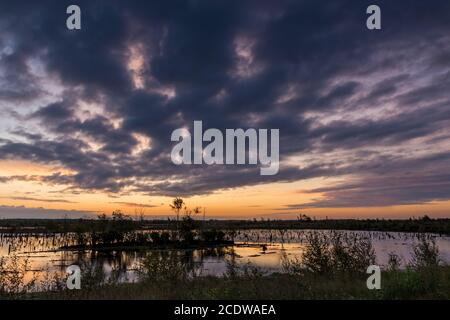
(262, 248)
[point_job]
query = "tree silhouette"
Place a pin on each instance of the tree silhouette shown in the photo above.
(176, 205)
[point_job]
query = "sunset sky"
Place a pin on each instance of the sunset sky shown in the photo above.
(86, 115)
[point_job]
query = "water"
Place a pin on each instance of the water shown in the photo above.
(44, 258)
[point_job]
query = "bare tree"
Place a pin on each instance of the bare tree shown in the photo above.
(176, 205)
(139, 214)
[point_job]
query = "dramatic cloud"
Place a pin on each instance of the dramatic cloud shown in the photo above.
(101, 102)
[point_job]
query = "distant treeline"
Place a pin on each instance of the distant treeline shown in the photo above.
(423, 224)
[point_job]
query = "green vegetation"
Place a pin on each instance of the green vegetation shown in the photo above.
(333, 267)
(408, 284)
(120, 231)
(335, 254)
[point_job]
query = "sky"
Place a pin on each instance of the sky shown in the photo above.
(86, 115)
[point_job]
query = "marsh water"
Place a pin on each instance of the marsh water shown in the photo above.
(265, 249)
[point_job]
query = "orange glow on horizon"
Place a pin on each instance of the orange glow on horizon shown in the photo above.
(268, 201)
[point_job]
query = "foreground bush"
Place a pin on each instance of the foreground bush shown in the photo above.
(333, 267)
(335, 253)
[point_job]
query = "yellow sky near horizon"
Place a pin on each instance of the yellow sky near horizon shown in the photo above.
(270, 200)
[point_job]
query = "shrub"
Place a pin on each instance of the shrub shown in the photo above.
(156, 237)
(332, 254)
(317, 257)
(165, 237)
(425, 254)
(394, 262)
(13, 272)
(162, 266)
(212, 235)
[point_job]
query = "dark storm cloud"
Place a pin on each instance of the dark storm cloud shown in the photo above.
(262, 64)
(408, 125)
(388, 182)
(30, 136)
(204, 180)
(53, 113)
(17, 84)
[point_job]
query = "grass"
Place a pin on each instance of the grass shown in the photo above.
(333, 267)
(407, 284)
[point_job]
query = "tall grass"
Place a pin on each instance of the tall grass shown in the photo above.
(13, 277)
(333, 266)
(167, 266)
